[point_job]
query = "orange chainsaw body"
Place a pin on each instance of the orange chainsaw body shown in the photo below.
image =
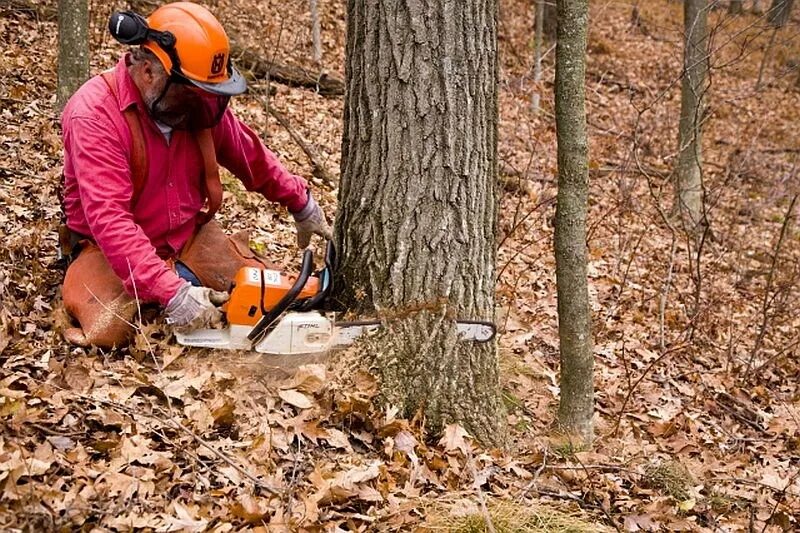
(255, 288)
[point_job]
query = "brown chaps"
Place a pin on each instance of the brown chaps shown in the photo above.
(95, 298)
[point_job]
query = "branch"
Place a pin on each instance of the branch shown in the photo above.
(258, 67)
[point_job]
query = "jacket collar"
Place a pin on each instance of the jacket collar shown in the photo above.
(126, 88)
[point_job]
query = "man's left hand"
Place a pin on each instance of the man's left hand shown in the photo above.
(311, 220)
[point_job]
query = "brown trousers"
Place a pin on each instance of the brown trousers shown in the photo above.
(95, 298)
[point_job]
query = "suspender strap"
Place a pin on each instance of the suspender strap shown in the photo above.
(213, 185)
(139, 168)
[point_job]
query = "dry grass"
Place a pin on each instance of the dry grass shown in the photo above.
(507, 517)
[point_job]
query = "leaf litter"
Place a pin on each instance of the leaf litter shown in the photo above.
(159, 437)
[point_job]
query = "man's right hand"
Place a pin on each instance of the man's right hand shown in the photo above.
(195, 307)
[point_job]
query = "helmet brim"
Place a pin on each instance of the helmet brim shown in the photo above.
(235, 84)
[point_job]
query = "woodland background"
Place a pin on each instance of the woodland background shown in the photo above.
(697, 405)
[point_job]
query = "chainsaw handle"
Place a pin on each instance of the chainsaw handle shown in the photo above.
(267, 319)
(325, 278)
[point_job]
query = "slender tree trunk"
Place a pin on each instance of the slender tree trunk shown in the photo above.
(778, 16)
(574, 317)
(417, 212)
(736, 7)
(780, 12)
(315, 32)
(537, 54)
(688, 172)
(73, 48)
(765, 58)
(550, 19)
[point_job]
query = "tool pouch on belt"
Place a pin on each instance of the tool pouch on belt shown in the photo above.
(215, 257)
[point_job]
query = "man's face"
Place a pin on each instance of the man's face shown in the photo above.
(183, 106)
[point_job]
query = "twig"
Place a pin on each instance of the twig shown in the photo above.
(319, 170)
(766, 302)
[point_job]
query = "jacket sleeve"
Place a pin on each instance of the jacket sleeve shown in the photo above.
(105, 188)
(240, 150)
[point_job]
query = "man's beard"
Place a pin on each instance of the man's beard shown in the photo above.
(191, 112)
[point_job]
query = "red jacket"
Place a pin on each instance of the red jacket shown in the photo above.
(98, 183)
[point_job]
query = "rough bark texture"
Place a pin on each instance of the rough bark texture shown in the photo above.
(688, 172)
(417, 201)
(574, 316)
(73, 48)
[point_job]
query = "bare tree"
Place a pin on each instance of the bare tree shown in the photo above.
(779, 13)
(550, 19)
(537, 53)
(315, 32)
(688, 171)
(777, 16)
(416, 225)
(574, 316)
(73, 48)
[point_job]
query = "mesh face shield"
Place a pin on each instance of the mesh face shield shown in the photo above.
(183, 106)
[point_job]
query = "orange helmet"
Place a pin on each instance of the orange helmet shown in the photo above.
(188, 40)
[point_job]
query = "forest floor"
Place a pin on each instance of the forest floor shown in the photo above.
(698, 398)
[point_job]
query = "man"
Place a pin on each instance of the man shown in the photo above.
(141, 146)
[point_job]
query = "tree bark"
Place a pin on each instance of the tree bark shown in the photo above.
(688, 172)
(550, 19)
(416, 225)
(537, 53)
(316, 41)
(73, 48)
(574, 317)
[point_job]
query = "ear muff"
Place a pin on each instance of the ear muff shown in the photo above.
(131, 28)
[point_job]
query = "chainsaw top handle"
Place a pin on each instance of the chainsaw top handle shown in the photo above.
(326, 281)
(283, 304)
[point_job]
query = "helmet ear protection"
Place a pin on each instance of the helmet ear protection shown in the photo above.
(131, 28)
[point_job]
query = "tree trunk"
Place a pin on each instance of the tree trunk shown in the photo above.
(537, 53)
(779, 13)
(416, 225)
(550, 19)
(316, 41)
(73, 48)
(574, 318)
(688, 172)
(736, 7)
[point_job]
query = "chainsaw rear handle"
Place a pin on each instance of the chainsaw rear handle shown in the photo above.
(267, 319)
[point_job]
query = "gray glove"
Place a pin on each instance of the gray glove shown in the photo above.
(195, 307)
(311, 220)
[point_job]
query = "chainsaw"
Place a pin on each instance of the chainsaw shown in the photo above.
(273, 312)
